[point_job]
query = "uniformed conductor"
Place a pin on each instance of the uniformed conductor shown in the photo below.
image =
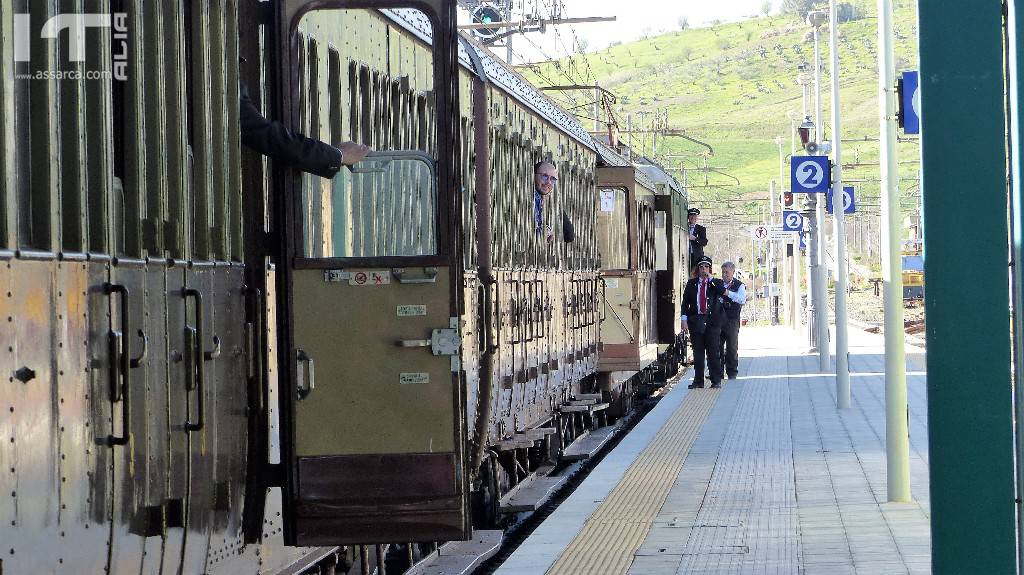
(702, 318)
(732, 303)
(698, 237)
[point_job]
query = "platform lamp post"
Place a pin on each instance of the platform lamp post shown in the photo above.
(806, 132)
(816, 19)
(838, 221)
(897, 442)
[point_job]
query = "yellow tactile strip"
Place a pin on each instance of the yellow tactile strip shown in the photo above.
(619, 526)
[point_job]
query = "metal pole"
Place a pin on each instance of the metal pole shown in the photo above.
(897, 442)
(819, 290)
(772, 298)
(839, 223)
(797, 258)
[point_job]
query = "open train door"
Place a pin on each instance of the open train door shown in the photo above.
(369, 281)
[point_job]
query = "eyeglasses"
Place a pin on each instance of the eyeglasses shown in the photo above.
(548, 178)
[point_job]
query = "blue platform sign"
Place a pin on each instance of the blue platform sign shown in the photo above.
(792, 221)
(849, 201)
(810, 174)
(803, 240)
(911, 103)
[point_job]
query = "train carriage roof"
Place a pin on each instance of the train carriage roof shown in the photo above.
(499, 73)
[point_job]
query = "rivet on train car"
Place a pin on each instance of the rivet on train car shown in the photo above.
(25, 374)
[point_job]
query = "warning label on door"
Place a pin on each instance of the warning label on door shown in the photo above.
(370, 278)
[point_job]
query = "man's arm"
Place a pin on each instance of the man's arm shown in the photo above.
(739, 296)
(568, 232)
(702, 236)
(280, 144)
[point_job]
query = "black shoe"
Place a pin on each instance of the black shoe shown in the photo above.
(732, 376)
(716, 384)
(695, 386)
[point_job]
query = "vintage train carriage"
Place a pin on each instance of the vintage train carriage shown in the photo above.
(642, 270)
(367, 244)
(128, 316)
(140, 425)
(153, 274)
(672, 252)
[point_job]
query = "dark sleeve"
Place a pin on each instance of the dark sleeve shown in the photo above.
(568, 232)
(702, 236)
(688, 307)
(278, 143)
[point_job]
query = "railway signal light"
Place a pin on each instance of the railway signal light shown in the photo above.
(487, 14)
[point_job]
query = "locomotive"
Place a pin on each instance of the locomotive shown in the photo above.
(217, 364)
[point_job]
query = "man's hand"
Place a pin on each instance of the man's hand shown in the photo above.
(686, 329)
(693, 238)
(352, 153)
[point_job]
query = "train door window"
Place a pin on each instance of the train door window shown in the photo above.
(371, 440)
(660, 240)
(613, 228)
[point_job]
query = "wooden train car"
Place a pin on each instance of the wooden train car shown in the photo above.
(643, 267)
(218, 364)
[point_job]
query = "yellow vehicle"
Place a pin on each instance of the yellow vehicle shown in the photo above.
(913, 271)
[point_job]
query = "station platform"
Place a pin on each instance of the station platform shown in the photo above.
(765, 475)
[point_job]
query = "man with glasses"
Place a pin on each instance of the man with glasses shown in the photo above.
(703, 318)
(545, 177)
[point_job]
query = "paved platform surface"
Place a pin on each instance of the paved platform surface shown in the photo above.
(766, 476)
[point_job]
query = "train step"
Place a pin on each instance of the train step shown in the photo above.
(594, 396)
(460, 557)
(583, 405)
(589, 444)
(532, 492)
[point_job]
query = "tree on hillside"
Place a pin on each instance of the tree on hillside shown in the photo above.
(684, 22)
(798, 7)
(766, 7)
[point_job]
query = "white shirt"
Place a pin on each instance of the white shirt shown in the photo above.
(707, 287)
(739, 296)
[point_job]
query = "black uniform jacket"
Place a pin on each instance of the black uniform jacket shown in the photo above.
(697, 245)
(280, 144)
(716, 289)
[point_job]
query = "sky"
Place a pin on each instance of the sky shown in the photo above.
(634, 19)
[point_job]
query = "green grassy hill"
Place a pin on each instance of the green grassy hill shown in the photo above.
(733, 85)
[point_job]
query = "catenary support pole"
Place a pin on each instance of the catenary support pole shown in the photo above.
(897, 443)
(820, 290)
(839, 223)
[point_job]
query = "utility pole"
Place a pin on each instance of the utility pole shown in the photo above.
(773, 270)
(839, 222)
(819, 320)
(797, 256)
(897, 441)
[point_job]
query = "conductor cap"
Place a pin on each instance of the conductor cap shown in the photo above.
(693, 212)
(704, 261)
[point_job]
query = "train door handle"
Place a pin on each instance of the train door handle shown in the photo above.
(140, 361)
(413, 343)
(196, 371)
(120, 363)
(308, 383)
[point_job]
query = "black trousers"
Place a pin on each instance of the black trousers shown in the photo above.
(730, 346)
(706, 342)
